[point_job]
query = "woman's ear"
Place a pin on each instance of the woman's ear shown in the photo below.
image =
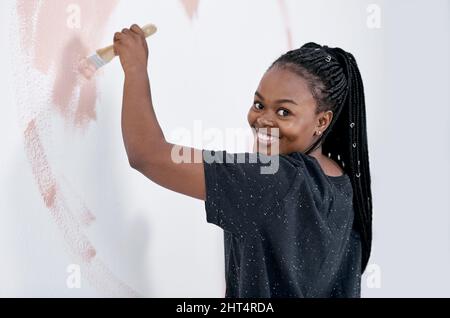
(324, 121)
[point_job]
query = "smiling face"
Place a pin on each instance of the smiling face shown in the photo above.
(285, 112)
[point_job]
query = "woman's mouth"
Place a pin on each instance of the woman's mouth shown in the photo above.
(265, 138)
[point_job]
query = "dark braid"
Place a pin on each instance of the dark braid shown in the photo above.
(335, 82)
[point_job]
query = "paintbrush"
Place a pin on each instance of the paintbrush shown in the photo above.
(88, 66)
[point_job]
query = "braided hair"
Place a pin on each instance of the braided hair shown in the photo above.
(335, 82)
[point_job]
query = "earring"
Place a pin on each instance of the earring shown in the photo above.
(319, 133)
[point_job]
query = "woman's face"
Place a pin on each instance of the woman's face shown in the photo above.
(283, 116)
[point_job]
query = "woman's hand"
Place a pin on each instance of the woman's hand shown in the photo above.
(131, 46)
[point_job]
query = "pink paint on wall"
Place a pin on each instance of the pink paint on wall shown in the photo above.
(287, 24)
(191, 8)
(53, 199)
(69, 223)
(27, 13)
(83, 212)
(85, 112)
(58, 34)
(53, 42)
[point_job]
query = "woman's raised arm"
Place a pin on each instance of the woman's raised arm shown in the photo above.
(145, 144)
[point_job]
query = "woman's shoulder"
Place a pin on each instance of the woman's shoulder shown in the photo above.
(321, 172)
(287, 166)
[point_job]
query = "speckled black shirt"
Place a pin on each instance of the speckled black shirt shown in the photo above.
(286, 234)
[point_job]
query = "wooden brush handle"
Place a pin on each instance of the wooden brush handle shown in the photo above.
(149, 29)
(107, 53)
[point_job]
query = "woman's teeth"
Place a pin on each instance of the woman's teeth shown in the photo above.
(264, 138)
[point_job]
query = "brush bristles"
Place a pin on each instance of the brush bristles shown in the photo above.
(97, 61)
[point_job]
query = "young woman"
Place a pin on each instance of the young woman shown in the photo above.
(302, 231)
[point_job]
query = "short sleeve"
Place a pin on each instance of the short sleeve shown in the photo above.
(242, 188)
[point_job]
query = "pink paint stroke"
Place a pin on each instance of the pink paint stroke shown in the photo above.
(55, 44)
(191, 8)
(50, 44)
(26, 12)
(287, 24)
(79, 245)
(53, 199)
(84, 214)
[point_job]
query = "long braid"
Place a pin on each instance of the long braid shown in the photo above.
(335, 82)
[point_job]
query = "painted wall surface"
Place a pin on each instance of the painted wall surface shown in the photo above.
(71, 208)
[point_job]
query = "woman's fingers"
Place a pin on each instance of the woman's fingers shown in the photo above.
(133, 30)
(137, 30)
(117, 36)
(123, 37)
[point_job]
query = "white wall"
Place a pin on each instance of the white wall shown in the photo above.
(156, 243)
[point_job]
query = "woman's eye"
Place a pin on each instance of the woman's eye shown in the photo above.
(258, 105)
(283, 112)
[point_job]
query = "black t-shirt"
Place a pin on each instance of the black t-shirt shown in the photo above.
(286, 234)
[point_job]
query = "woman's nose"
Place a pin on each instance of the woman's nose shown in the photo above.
(263, 121)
